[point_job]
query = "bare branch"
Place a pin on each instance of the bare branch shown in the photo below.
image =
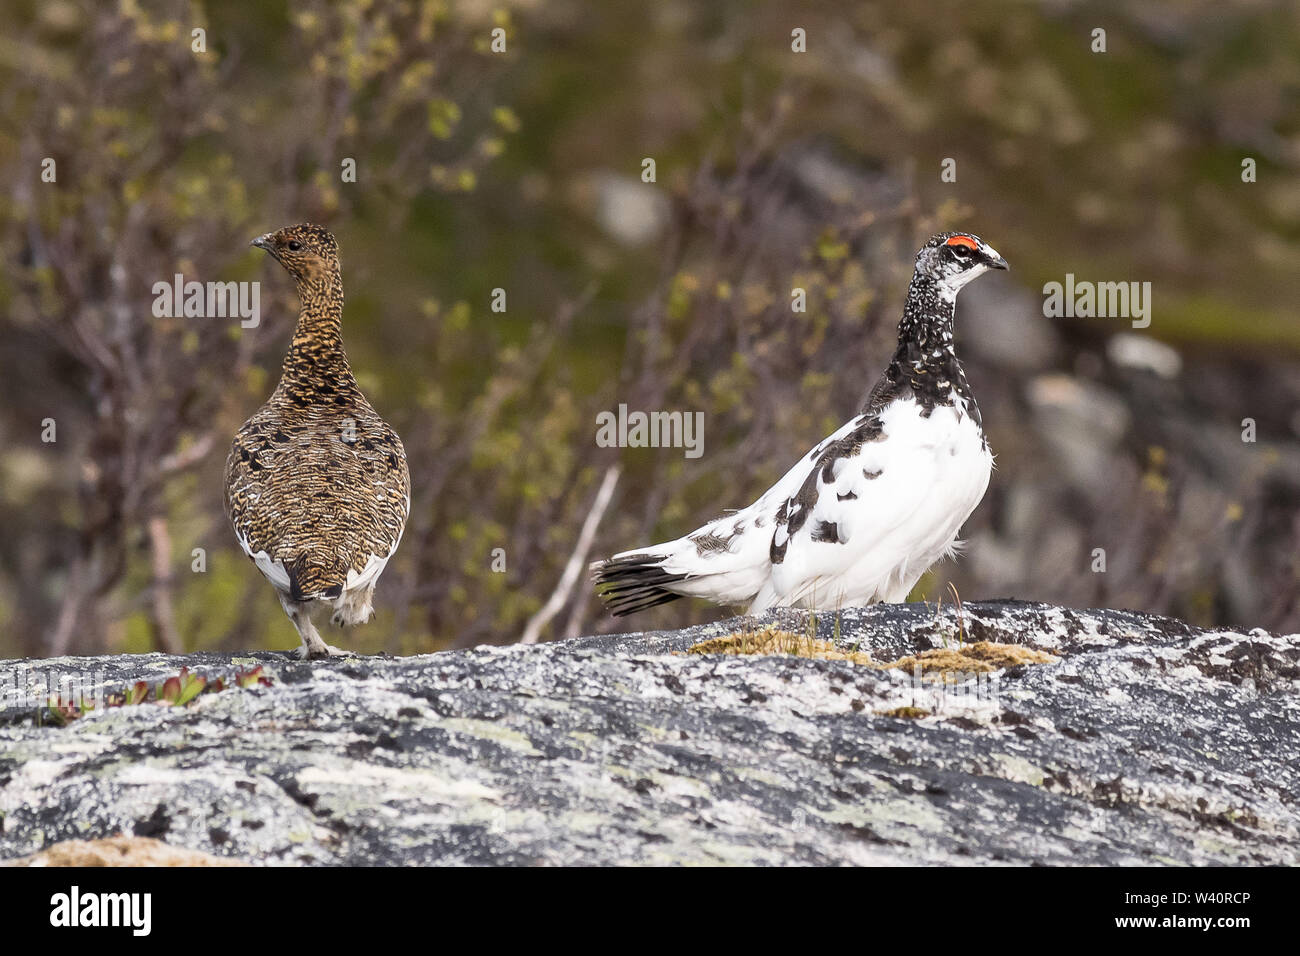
(577, 560)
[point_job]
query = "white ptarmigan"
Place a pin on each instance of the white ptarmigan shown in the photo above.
(864, 514)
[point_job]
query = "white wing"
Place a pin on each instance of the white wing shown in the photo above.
(882, 504)
(273, 570)
(728, 560)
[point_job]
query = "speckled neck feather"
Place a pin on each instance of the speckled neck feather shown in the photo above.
(925, 361)
(316, 366)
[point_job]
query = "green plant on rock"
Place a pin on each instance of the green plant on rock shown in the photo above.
(181, 689)
(176, 691)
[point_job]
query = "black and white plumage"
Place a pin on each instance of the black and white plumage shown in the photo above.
(869, 509)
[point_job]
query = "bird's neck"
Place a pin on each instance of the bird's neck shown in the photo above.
(926, 326)
(925, 364)
(317, 349)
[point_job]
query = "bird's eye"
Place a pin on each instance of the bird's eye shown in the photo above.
(294, 245)
(961, 252)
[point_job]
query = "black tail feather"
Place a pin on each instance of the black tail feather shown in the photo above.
(635, 583)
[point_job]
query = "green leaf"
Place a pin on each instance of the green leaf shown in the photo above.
(505, 117)
(252, 678)
(191, 686)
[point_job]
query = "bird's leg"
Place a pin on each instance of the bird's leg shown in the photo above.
(312, 644)
(354, 607)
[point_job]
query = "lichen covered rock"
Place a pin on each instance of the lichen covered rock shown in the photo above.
(1128, 739)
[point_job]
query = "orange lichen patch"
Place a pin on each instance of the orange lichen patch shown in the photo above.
(908, 713)
(1007, 655)
(967, 241)
(119, 851)
(942, 660)
(775, 641)
(978, 658)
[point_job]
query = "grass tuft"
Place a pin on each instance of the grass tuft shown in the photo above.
(774, 640)
(906, 712)
(980, 657)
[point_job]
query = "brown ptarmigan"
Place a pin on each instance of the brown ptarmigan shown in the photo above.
(317, 487)
(864, 514)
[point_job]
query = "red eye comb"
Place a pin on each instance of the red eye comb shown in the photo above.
(966, 241)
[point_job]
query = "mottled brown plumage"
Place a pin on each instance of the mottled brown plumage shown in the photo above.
(317, 487)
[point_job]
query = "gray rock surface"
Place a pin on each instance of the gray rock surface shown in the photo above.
(1146, 741)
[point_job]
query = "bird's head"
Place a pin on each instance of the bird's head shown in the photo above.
(954, 258)
(308, 252)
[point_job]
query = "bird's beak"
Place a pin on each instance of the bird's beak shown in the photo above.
(995, 259)
(263, 242)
